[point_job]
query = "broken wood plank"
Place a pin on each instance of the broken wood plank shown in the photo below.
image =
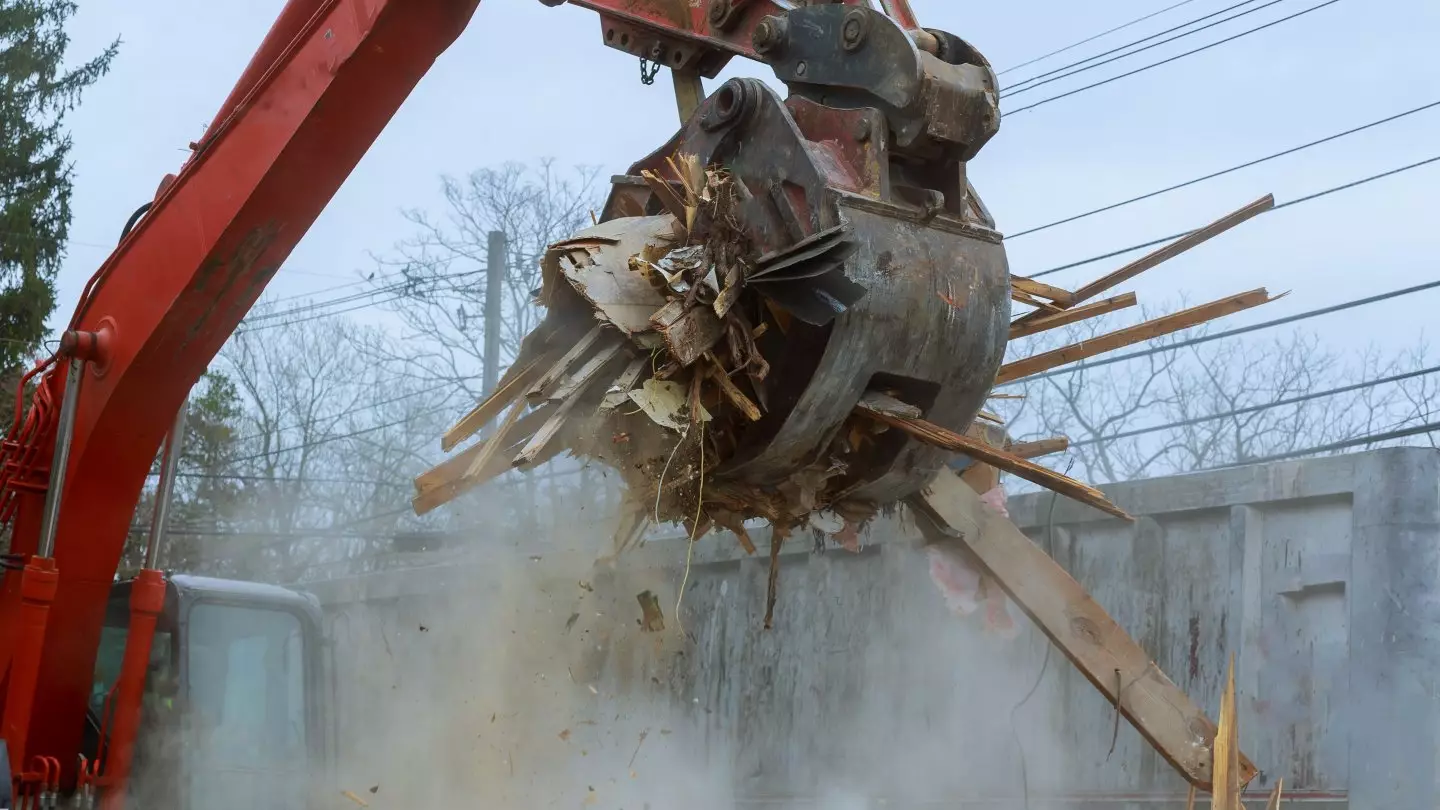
(732, 392)
(507, 392)
(1077, 625)
(1273, 803)
(688, 333)
(488, 451)
(933, 434)
(561, 367)
(1055, 320)
(652, 620)
(1167, 252)
(576, 383)
(1225, 792)
(453, 469)
(1139, 333)
(1040, 447)
(619, 392)
(1040, 289)
(1040, 304)
(667, 195)
(1175, 248)
(545, 437)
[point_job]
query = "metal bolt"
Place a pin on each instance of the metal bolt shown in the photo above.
(718, 10)
(769, 35)
(800, 69)
(862, 130)
(852, 34)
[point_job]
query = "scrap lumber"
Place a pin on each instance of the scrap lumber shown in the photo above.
(1165, 253)
(507, 392)
(1175, 248)
(732, 391)
(488, 449)
(938, 436)
(1055, 320)
(1040, 447)
(1039, 289)
(1139, 333)
(560, 368)
(1225, 793)
(1078, 626)
(688, 333)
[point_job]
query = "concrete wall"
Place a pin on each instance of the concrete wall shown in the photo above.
(1320, 576)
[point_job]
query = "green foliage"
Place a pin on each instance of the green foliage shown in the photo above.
(207, 497)
(36, 91)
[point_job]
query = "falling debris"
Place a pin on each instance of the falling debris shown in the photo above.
(354, 798)
(565, 735)
(653, 621)
(678, 346)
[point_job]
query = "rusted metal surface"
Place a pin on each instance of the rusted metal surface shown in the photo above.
(935, 311)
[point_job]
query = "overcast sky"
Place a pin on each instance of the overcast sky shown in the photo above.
(525, 81)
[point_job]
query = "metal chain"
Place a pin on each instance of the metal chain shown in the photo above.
(648, 71)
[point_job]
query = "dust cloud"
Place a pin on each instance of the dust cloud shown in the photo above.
(532, 684)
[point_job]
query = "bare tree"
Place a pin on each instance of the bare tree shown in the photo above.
(1182, 408)
(328, 441)
(438, 275)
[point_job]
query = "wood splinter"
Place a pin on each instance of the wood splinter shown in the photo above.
(933, 434)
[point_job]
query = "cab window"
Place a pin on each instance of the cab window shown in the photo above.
(246, 703)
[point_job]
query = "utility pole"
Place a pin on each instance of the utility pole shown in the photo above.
(494, 286)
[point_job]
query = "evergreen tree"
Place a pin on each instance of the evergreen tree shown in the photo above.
(36, 91)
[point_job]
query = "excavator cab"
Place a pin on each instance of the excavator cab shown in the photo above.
(234, 709)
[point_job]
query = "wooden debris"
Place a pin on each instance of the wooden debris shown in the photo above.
(509, 390)
(666, 194)
(1077, 625)
(1055, 320)
(354, 798)
(1159, 327)
(653, 621)
(1225, 792)
(581, 379)
(1039, 289)
(491, 447)
(733, 392)
(1273, 803)
(560, 368)
(1164, 253)
(533, 451)
(931, 433)
(688, 333)
(620, 391)
(1175, 248)
(1040, 447)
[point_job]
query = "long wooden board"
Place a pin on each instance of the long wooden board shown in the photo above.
(1055, 320)
(1078, 627)
(1159, 327)
(1165, 253)
(938, 436)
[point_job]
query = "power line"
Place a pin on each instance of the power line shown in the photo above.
(402, 287)
(1279, 403)
(338, 437)
(1168, 60)
(1065, 72)
(1402, 433)
(1307, 198)
(1314, 313)
(1094, 37)
(1292, 150)
(281, 479)
(357, 409)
